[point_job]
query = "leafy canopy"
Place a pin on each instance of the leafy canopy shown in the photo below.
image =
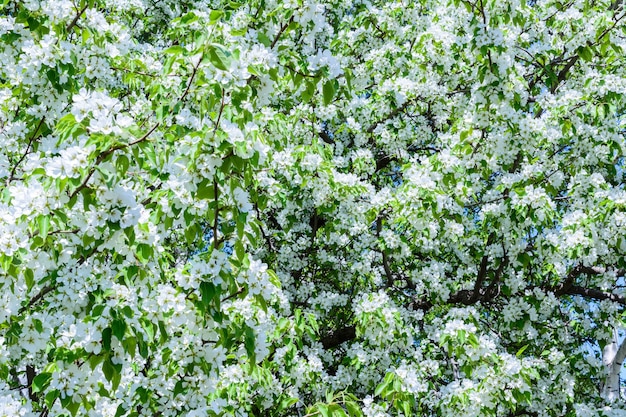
(321, 208)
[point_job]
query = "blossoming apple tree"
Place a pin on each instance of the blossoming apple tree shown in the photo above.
(320, 208)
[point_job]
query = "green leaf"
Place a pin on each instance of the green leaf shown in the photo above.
(33, 24)
(219, 57)
(286, 403)
(208, 291)
(461, 335)
(585, 53)
(145, 251)
(53, 76)
(336, 410)
(175, 50)
(524, 259)
(308, 93)
(259, 298)
(118, 328)
(65, 126)
(264, 39)
(313, 323)
(128, 311)
(148, 326)
(130, 345)
(29, 277)
(161, 112)
(40, 381)
(122, 163)
(97, 310)
(329, 396)
(143, 348)
(328, 91)
(188, 18)
(473, 340)
(239, 250)
(521, 351)
(205, 190)
(249, 340)
(120, 411)
(107, 369)
(323, 409)
(353, 409)
(117, 378)
(381, 389)
(106, 339)
(51, 397)
(178, 388)
(241, 224)
(163, 332)
(38, 325)
(406, 407)
(215, 15)
(273, 278)
(169, 62)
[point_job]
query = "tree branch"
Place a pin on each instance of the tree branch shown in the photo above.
(469, 297)
(338, 337)
(30, 143)
(390, 115)
(620, 355)
(71, 25)
(280, 32)
(482, 274)
(108, 152)
(326, 137)
(563, 73)
(595, 294)
(30, 376)
(40, 295)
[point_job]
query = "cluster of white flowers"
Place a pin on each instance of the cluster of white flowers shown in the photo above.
(69, 162)
(10, 403)
(325, 58)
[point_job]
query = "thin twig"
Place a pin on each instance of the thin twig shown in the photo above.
(105, 154)
(78, 15)
(280, 32)
(30, 143)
